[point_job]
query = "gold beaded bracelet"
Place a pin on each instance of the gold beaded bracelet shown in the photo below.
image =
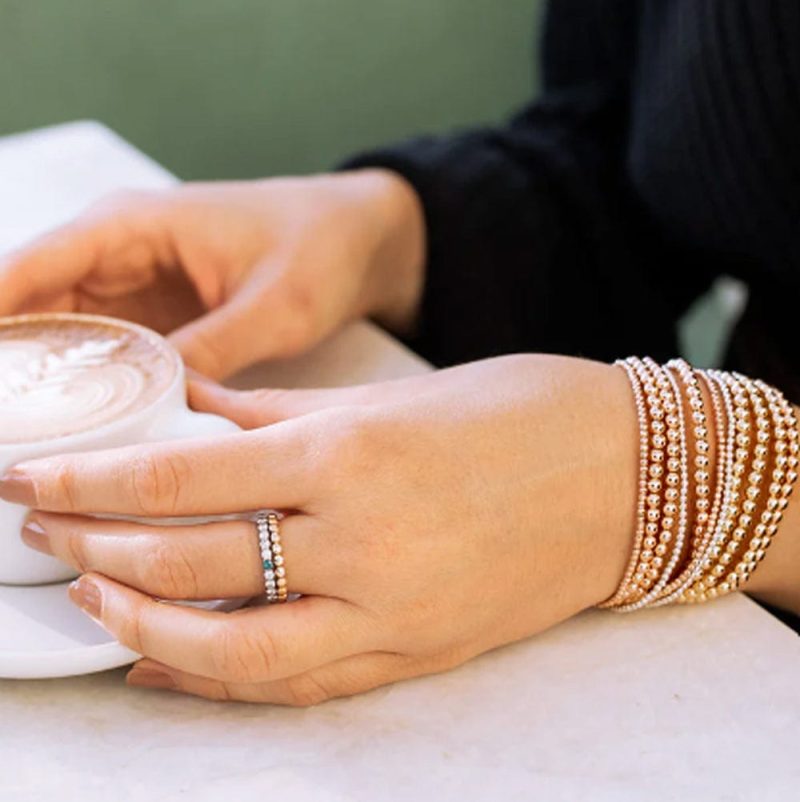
(699, 536)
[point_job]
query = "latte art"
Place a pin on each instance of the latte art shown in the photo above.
(63, 377)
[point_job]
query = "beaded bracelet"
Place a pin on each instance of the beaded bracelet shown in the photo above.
(699, 536)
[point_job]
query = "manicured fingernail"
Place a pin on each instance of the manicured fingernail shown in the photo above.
(150, 678)
(17, 487)
(33, 535)
(87, 596)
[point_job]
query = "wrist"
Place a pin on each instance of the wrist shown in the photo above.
(395, 274)
(616, 483)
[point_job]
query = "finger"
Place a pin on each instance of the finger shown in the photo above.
(255, 408)
(222, 341)
(346, 677)
(270, 468)
(209, 561)
(49, 266)
(268, 317)
(254, 644)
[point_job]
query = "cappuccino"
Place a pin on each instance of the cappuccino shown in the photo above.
(63, 375)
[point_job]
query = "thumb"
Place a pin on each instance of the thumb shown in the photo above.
(222, 341)
(255, 408)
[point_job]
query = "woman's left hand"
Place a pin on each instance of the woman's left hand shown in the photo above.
(427, 520)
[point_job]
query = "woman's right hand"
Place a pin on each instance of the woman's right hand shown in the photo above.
(236, 272)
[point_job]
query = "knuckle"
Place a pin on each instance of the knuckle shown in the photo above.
(131, 629)
(158, 483)
(298, 324)
(75, 548)
(306, 690)
(165, 571)
(64, 488)
(354, 443)
(244, 657)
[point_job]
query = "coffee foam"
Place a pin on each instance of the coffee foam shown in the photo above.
(62, 376)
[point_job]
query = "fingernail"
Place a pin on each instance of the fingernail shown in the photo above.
(17, 487)
(150, 678)
(33, 535)
(87, 596)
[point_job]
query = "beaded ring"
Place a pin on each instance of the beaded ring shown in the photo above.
(272, 560)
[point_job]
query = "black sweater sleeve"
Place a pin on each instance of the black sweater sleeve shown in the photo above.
(535, 242)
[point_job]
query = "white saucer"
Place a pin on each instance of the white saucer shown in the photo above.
(43, 634)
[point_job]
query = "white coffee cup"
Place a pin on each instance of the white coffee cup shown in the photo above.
(166, 418)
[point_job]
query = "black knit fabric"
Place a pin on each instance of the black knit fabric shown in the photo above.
(664, 151)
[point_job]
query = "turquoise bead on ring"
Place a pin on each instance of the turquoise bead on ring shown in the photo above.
(272, 563)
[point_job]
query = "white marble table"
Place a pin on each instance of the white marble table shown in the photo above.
(673, 704)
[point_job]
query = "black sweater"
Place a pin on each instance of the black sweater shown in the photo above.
(663, 151)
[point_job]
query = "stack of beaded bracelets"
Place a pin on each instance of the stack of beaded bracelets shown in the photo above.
(269, 541)
(699, 536)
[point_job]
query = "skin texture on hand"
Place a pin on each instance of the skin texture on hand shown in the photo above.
(237, 271)
(428, 520)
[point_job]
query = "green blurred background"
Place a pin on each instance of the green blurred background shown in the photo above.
(233, 88)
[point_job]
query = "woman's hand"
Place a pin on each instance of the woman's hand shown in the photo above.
(427, 520)
(269, 267)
